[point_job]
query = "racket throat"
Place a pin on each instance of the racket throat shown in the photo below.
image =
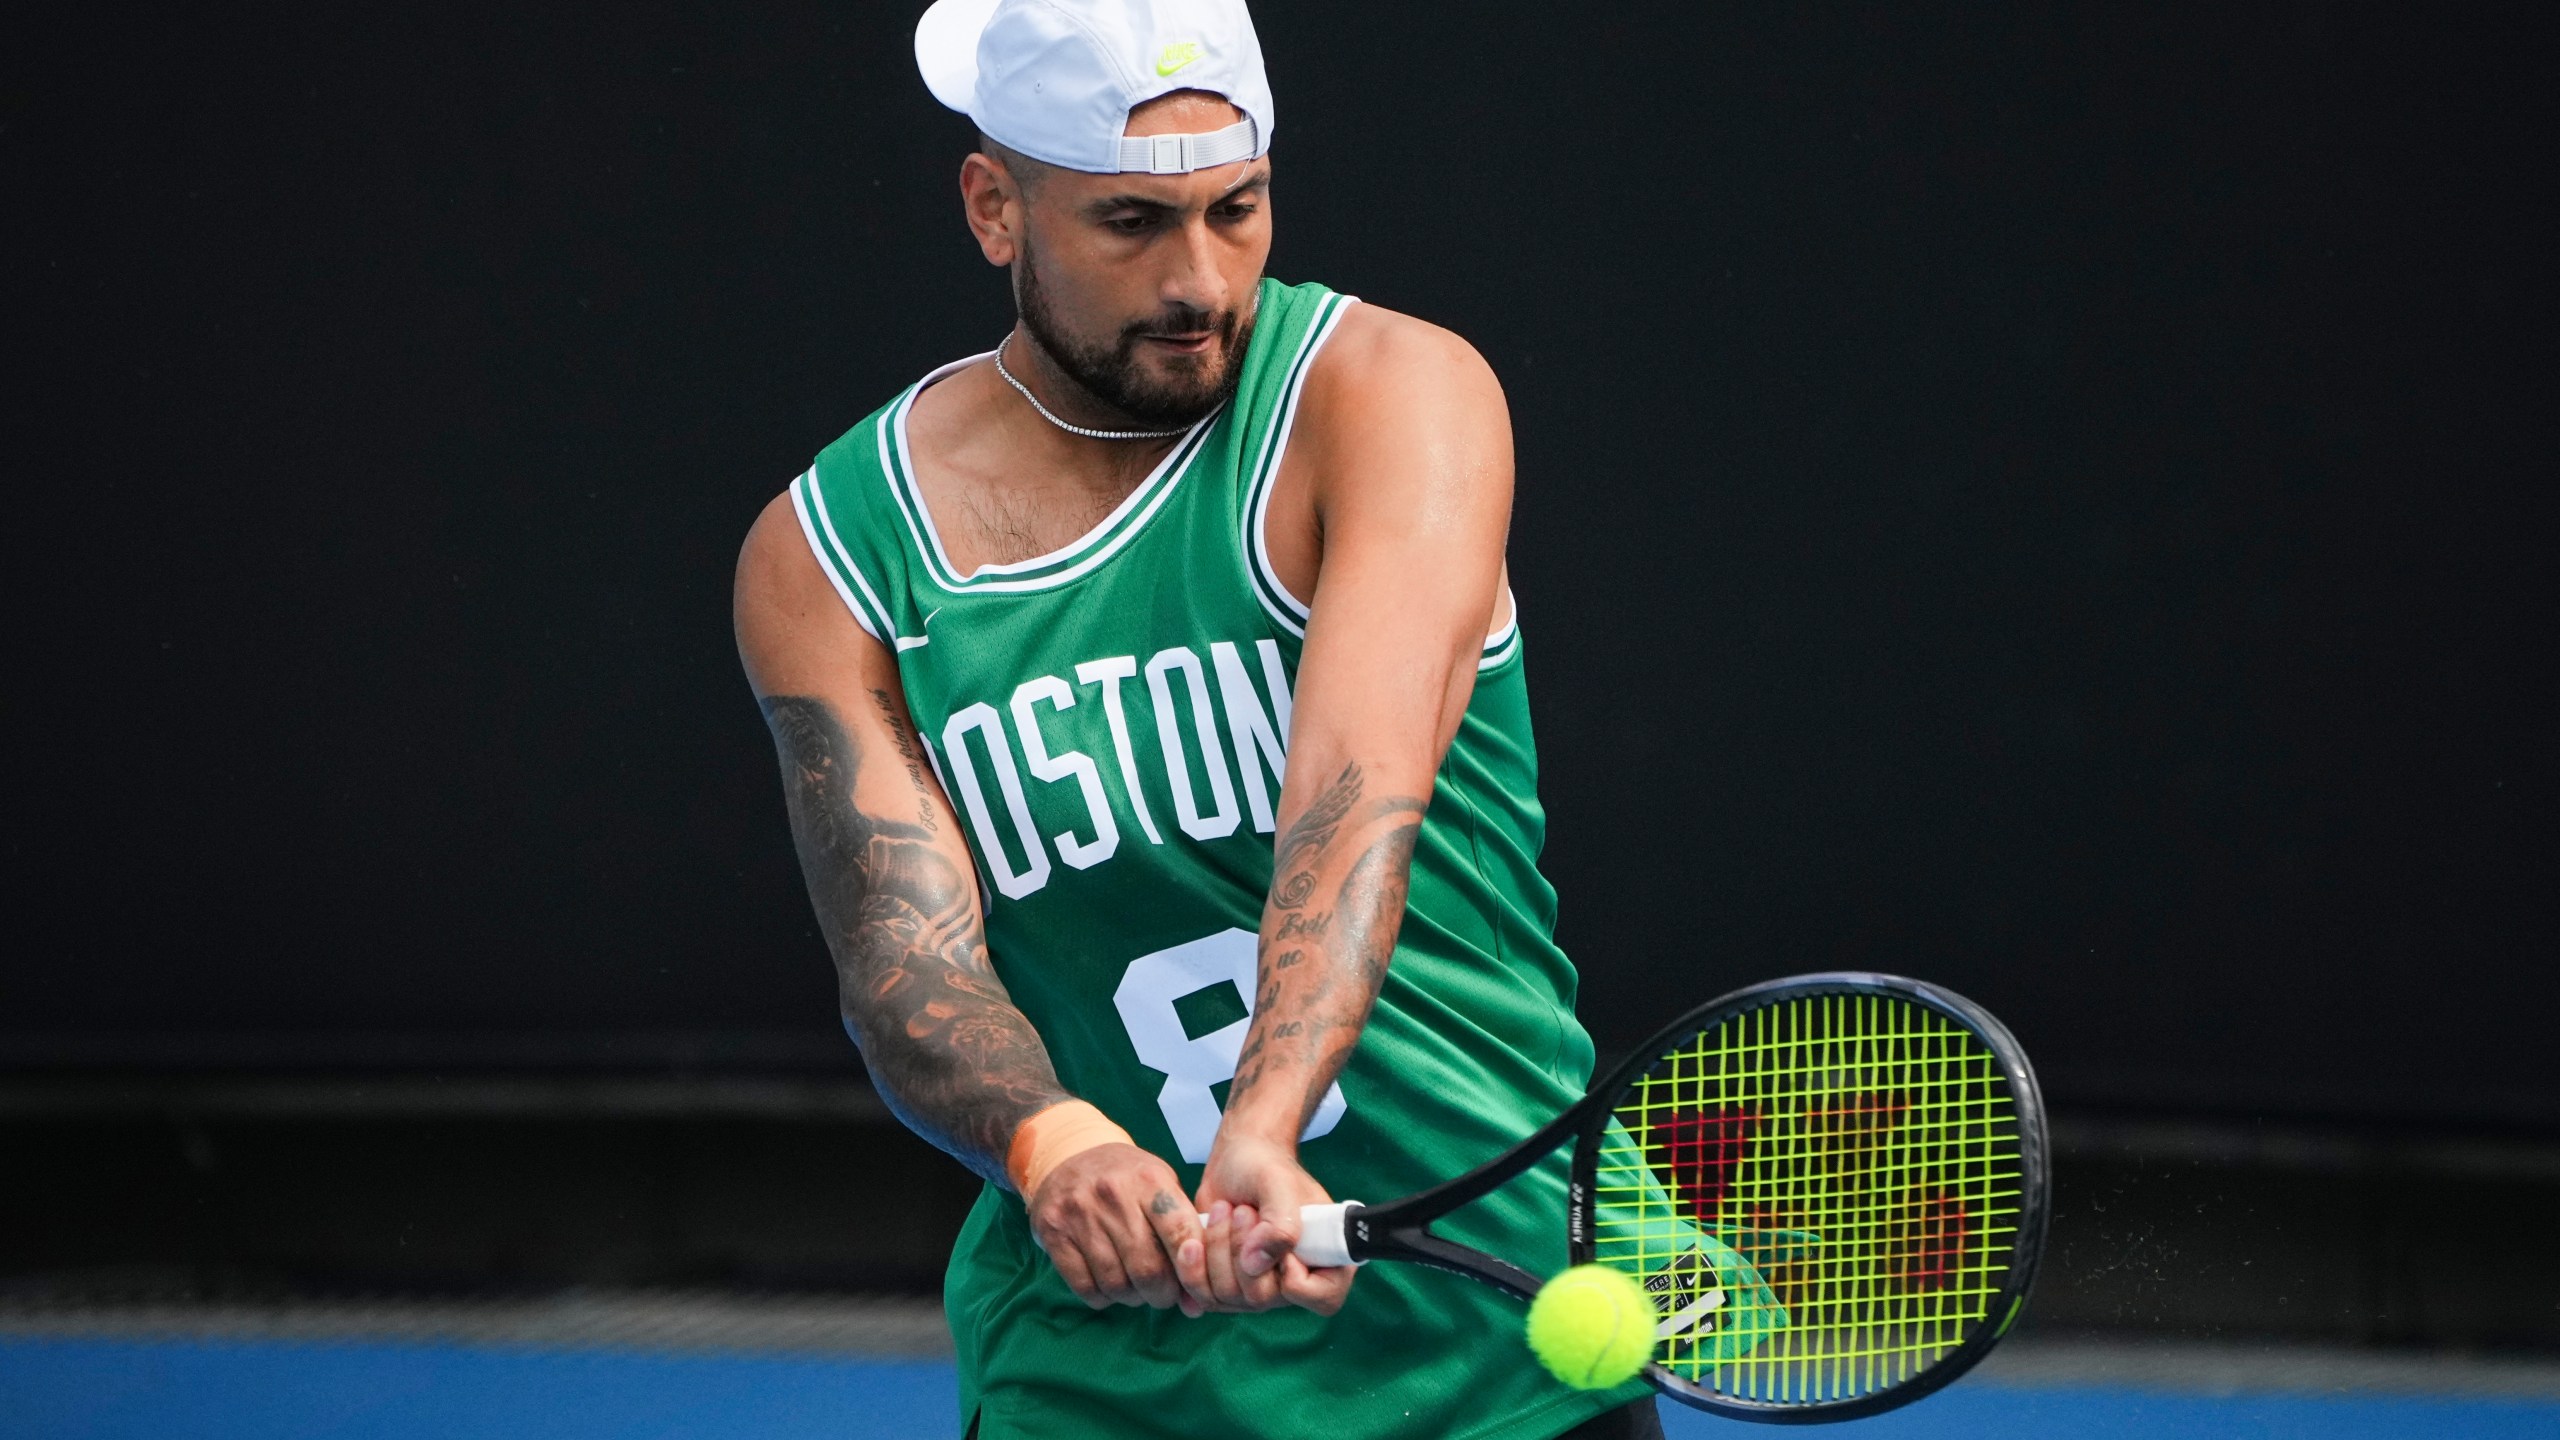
(1372, 1237)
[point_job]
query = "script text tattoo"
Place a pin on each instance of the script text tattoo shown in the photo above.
(1310, 1017)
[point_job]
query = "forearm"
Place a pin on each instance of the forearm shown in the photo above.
(1329, 927)
(946, 1047)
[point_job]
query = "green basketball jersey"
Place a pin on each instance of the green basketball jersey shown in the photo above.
(1111, 722)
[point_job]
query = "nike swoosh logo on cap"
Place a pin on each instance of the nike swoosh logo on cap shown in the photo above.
(1177, 55)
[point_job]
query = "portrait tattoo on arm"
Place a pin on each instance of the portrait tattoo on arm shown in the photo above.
(946, 1047)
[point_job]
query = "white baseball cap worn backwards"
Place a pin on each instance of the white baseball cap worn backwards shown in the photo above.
(1056, 79)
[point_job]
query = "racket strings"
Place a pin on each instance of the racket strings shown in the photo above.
(1857, 1154)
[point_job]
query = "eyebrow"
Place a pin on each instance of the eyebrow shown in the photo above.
(1258, 180)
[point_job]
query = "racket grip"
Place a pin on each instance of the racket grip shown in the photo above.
(1324, 1234)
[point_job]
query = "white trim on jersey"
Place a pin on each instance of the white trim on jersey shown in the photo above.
(1266, 471)
(811, 507)
(908, 492)
(1498, 646)
(1504, 643)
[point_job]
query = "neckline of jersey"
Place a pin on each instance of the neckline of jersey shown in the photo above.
(1070, 561)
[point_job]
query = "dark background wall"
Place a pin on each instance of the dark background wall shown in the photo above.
(2047, 500)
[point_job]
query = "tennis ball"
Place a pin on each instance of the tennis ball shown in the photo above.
(1592, 1327)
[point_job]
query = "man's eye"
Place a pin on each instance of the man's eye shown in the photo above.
(1131, 224)
(1234, 212)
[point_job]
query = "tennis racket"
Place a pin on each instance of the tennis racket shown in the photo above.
(1833, 1186)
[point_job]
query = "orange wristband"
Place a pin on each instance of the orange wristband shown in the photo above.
(1043, 1142)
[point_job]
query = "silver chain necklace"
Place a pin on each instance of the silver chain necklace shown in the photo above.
(1063, 425)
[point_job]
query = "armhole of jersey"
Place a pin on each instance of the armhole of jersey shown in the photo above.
(1286, 609)
(1504, 643)
(818, 527)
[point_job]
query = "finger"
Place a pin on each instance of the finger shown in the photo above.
(1261, 1288)
(1101, 1259)
(1191, 1264)
(1177, 1238)
(1142, 1254)
(1269, 1238)
(1309, 1288)
(1219, 1257)
(1110, 1276)
(1073, 1270)
(1109, 1224)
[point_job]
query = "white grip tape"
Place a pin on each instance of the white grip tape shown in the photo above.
(1324, 1236)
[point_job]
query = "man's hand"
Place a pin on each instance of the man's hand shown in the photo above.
(1251, 1192)
(1116, 1224)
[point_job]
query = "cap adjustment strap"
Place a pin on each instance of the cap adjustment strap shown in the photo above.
(1181, 154)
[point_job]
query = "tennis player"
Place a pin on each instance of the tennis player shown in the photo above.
(1152, 721)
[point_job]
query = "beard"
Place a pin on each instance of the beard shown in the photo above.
(1191, 385)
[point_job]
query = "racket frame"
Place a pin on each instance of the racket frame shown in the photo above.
(1401, 1229)
(1591, 1115)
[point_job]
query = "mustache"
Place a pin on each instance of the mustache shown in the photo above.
(1181, 320)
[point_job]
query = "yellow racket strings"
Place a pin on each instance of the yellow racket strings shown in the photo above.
(1860, 1152)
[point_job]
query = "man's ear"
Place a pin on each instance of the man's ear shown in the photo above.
(993, 203)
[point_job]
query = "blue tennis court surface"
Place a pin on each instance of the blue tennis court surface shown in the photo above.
(81, 1389)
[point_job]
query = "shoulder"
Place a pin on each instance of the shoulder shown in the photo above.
(792, 627)
(776, 572)
(1402, 439)
(1375, 351)
(1388, 390)
(773, 541)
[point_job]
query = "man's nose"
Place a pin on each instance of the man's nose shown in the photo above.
(1194, 280)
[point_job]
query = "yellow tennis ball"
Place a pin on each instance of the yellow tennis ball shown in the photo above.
(1592, 1327)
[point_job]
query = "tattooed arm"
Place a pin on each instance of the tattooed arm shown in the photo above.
(953, 1057)
(897, 899)
(1400, 470)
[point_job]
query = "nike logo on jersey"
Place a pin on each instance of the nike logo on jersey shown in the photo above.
(918, 642)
